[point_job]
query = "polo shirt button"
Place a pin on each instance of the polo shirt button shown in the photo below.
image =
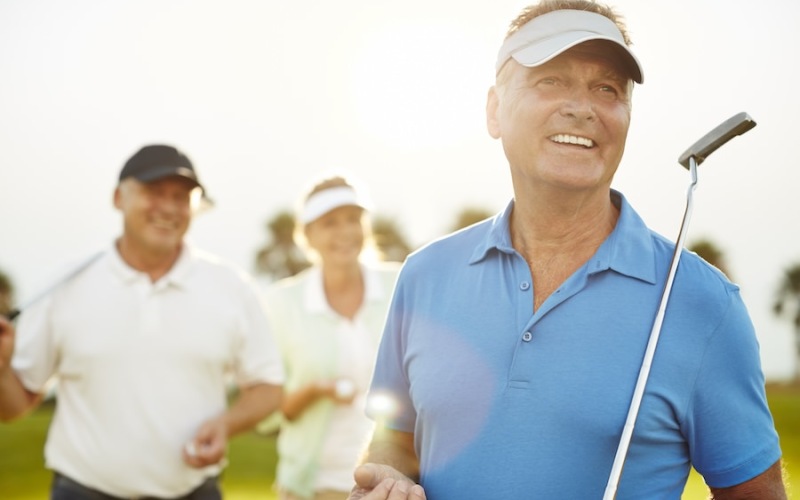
(524, 286)
(526, 337)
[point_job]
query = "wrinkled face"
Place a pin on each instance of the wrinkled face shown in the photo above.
(156, 214)
(563, 123)
(337, 236)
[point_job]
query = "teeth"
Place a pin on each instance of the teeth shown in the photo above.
(163, 224)
(572, 139)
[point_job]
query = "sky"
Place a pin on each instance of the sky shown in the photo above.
(265, 96)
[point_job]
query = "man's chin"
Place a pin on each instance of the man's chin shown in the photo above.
(162, 245)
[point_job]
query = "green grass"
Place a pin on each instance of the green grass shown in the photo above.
(784, 402)
(249, 475)
(252, 456)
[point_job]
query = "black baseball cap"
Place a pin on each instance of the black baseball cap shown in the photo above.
(158, 161)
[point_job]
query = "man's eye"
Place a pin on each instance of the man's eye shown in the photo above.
(609, 91)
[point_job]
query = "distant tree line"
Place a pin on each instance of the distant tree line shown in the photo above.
(281, 257)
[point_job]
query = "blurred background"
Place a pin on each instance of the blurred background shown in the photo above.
(264, 95)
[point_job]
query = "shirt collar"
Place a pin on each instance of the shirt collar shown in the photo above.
(628, 249)
(176, 276)
(315, 300)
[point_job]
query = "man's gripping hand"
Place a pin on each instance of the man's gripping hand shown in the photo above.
(6, 343)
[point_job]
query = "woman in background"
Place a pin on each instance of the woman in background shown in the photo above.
(328, 321)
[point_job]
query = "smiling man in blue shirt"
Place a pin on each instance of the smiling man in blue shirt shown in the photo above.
(512, 347)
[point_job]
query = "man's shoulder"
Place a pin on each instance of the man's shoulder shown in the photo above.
(452, 249)
(291, 288)
(209, 265)
(702, 276)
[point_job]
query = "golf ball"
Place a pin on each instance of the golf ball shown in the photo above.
(344, 388)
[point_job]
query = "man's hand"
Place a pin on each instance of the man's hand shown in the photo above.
(7, 336)
(209, 444)
(15, 399)
(381, 482)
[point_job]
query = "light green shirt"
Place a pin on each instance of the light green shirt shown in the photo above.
(308, 333)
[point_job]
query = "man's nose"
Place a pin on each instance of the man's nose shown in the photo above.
(578, 104)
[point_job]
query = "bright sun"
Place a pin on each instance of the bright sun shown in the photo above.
(418, 85)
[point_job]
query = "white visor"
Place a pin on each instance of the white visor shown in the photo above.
(322, 202)
(546, 36)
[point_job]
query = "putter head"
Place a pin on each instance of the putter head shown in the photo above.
(738, 124)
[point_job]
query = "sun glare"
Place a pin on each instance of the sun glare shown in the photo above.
(381, 405)
(415, 85)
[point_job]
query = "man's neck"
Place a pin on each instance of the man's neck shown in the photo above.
(561, 224)
(154, 264)
(556, 237)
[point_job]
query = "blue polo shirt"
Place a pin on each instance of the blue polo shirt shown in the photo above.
(505, 402)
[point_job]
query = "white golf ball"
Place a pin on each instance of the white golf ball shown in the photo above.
(345, 388)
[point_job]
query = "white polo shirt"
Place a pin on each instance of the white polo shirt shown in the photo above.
(140, 366)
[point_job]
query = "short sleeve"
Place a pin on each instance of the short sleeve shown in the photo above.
(257, 358)
(730, 430)
(36, 352)
(389, 399)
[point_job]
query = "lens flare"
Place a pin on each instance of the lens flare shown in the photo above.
(381, 405)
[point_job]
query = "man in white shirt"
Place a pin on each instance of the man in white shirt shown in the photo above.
(143, 343)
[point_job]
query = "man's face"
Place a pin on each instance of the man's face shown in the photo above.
(156, 214)
(563, 123)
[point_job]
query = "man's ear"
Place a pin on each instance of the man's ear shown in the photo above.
(117, 198)
(492, 103)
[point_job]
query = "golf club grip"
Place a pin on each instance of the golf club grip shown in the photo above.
(736, 125)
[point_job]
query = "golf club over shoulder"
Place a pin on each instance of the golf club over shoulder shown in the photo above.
(738, 124)
(13, 313)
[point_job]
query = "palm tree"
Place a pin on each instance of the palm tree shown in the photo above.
(787, 304)
(389, 239)
(711, 253)
(469, 216)
(281, 257)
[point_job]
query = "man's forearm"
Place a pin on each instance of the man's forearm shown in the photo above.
(395, 449)
(15, 400)
(253, 405)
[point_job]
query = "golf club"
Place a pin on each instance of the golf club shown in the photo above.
(17, 311)
(690, 159)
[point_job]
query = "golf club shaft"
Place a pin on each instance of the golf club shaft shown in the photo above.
(17, 311)
(655, 333)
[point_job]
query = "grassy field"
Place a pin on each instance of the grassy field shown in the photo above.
(252, 456)
(22, 475)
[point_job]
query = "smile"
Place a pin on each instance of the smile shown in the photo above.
(163, 223)
(572, 139)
